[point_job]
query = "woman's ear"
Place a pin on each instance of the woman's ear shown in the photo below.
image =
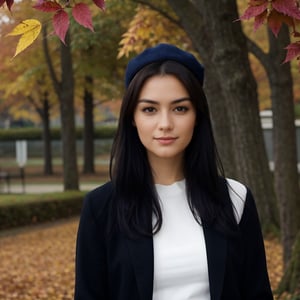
(133, 123)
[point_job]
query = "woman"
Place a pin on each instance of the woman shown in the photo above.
(168, 226)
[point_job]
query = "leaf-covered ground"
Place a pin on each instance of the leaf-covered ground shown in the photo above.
(38, 263)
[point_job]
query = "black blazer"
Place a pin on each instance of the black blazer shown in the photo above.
(120, 268)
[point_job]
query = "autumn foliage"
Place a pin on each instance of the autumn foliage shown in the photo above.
(61, 14)
(275, 13)
(29, 31)
(80, 12)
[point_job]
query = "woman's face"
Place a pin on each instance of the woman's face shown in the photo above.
(164, 117)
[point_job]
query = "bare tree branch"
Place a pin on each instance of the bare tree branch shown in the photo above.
(160, 11)
(263, 57)
(34, 103)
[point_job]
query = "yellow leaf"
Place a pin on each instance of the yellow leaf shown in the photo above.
(29, 30)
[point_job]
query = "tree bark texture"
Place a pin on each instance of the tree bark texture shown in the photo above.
(225, 51)
(290, 281)
(64, 89)
(48, 169)
(88, 130)
(70, 171)
(192, 22)
(284, 141)
(221, 124)
(42, 108)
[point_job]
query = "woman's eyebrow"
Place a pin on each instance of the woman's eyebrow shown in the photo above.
(157, 102)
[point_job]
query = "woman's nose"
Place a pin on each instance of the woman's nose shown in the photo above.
(165, 121)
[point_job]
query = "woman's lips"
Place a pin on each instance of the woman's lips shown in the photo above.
(166, 140)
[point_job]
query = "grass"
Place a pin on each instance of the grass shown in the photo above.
(8, 199)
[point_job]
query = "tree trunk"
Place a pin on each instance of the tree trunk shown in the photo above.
(284, 141)
(65, 93)
(88, 130)
(70, 171)
(291, 280)
(48, 170)
(192, 22)
(225, 51)
(221, 123)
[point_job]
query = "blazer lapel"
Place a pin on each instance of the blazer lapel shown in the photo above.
(141, 253)
(216, 248)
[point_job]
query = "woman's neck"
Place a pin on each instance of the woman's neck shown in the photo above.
(166, 171)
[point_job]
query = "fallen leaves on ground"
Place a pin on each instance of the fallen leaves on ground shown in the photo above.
(274, 261)
(38, 263)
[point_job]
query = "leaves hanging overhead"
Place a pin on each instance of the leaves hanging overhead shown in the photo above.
(48, 6)
(29, 30)
(61, 24)
(293, 51)
(82, 15)
(274, 12)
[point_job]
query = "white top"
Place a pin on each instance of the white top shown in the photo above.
(180, 260)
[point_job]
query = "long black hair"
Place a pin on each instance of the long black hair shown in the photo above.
(136, 201)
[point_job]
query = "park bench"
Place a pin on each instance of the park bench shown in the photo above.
(7, 176)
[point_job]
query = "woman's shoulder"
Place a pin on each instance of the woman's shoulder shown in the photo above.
(102, 190)
(98, 198)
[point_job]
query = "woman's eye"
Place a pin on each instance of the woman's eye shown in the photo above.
(181, 109)
(148, 109)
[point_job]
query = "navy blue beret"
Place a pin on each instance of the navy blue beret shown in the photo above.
(163, 52)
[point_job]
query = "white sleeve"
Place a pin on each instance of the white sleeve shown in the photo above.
(237, 193)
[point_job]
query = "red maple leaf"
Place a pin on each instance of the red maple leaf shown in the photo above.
(100, 3)
(254, 10)
(287, 7)
(82, 15)
(61, 24)
(276, 19)
(259, 20)
(293, 51)
(9, 3)
(48, 6)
